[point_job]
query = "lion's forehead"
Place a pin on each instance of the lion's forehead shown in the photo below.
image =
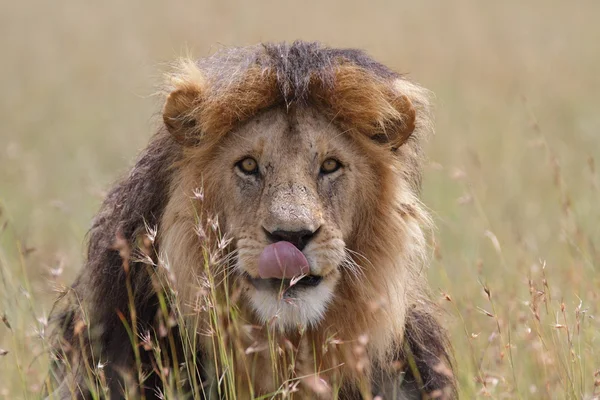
(281, 130)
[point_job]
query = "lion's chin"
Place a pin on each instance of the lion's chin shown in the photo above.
(292, 309)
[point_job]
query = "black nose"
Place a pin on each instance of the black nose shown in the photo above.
(298, 238)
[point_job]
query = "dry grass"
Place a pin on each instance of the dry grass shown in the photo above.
(512, 179)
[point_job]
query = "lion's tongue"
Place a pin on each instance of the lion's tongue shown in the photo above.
(282, 260)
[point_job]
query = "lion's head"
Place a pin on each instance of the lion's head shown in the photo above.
(312, 170)
(300, 165)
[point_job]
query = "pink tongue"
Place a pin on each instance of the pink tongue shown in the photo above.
(282, 260)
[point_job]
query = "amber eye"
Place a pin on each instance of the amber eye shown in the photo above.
(248, 165)
(330, 165)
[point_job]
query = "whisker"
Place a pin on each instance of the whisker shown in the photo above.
(229, 272)
(361, 256)
(224, 260)
(356, 270)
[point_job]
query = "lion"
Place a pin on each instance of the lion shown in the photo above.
(269, 241)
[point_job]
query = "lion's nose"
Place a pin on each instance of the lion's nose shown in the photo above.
(298, 238)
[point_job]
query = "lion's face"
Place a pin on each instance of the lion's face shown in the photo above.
(304, 191)
(295, 178)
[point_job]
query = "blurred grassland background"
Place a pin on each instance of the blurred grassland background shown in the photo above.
(512, 174)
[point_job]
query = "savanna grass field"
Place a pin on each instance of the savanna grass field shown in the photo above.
(512, 175)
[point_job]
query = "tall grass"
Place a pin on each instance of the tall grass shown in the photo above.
(232, 354)
(513, 175)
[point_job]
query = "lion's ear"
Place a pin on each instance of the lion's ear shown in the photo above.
(411, 105)
(180, 112)
(401, 123)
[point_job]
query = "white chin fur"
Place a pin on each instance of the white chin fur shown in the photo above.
(305, 308)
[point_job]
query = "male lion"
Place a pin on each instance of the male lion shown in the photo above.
(268, 242)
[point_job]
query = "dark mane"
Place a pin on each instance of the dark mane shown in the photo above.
(132, 205)
(299, 63)
(295, 65)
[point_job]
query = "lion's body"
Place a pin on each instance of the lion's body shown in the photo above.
(368, 326)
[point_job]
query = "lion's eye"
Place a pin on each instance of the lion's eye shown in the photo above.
(329, 166)
(248, 165)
